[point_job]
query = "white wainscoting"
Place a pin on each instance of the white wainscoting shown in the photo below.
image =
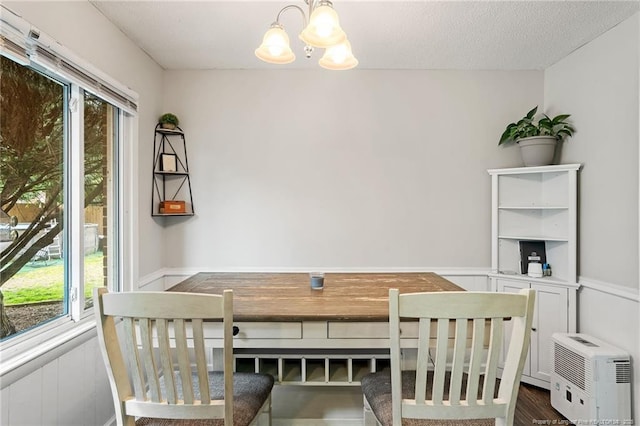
(73, 389)
(612, 313)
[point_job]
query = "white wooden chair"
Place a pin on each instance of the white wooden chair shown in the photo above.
(161, 338)
(455, 382)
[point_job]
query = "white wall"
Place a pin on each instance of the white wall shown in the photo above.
(598, 84)
(72, 389)
(360, 169)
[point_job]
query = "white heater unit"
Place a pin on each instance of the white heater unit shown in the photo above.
(590, 380)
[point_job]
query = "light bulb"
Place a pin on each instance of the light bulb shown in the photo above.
(276, 44)
(324, 24)
(338, 57)
(339, 53)
(275, 50)
(275, 47)
(323, 29)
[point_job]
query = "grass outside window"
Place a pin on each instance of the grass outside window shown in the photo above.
(41, 281)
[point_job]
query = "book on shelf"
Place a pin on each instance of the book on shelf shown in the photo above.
(531, 251)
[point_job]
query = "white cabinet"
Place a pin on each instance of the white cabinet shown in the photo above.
(554, 312)
(537, 204)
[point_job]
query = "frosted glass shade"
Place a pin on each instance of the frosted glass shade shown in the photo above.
(338, 57)
(275, 48)
(323, 29)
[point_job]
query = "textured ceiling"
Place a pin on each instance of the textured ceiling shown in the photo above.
(462, 35)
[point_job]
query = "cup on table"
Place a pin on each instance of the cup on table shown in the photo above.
(317, 280)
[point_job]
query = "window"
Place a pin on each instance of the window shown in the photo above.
(58, 195)
(100, 196)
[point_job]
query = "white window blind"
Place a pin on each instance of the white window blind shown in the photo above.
(25, 44)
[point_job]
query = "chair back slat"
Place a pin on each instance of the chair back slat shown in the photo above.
(164, 348)
(146, 352)
(493, 355)
(457, 368)
(133, 358)
(476, 360)
(424, 358)
(464, 380)
(162, 337)
(184, 363)
(201, 361)
(442, 348)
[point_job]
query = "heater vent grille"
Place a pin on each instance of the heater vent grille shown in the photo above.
(569, 365)
(623, 371)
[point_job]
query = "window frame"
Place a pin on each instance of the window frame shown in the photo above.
(33, 348)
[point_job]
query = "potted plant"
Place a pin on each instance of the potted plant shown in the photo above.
(537, 138)
(168, 121)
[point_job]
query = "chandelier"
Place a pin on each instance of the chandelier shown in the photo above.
(322, 30)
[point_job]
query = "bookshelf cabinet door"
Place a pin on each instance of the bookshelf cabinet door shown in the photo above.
(553, 313)
(551, 316)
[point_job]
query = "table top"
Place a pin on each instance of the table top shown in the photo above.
(289, 297)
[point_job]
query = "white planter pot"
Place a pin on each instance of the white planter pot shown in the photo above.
(538, 150)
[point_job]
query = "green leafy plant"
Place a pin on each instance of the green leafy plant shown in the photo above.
(169, 118)
(545, 126)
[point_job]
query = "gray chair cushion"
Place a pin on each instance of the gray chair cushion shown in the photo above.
(376, 387)
(250, 391)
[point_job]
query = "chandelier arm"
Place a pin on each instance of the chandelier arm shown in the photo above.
(293, 6)
(305, 20)
(311, 4)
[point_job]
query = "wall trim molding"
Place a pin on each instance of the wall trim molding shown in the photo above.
(610, 288)
(165, 272)
(154, 276)
(601, 286)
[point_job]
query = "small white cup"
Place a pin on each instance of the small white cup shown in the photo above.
(316, 280)
(534, 270)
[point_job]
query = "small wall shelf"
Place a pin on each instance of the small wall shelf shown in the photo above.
(171, 184)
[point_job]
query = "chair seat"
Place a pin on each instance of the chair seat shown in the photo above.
(250, 391)
(376, 388)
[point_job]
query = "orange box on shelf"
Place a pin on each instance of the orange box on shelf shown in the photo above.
(170, 207)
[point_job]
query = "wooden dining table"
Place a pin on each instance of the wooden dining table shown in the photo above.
(289, 296)
(304, 336)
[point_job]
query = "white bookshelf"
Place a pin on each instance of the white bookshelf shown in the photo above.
(537, 204)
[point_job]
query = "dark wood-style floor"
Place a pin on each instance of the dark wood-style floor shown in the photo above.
(534, 408)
